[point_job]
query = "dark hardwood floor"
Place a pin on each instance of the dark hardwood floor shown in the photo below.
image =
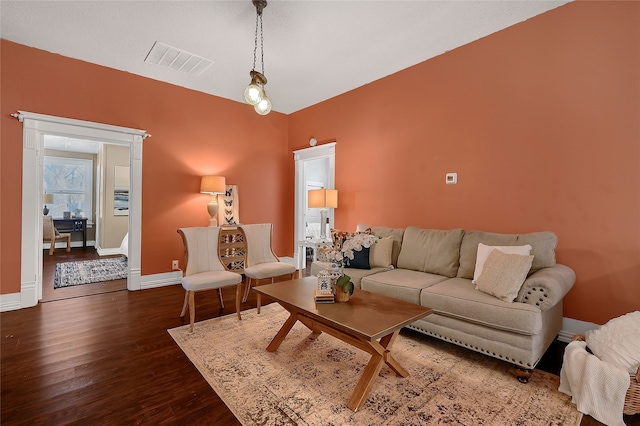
(107, 359)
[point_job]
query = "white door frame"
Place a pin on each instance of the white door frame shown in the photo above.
(300, 158)
(35, 126)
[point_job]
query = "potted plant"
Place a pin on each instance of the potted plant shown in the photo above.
(344, 288)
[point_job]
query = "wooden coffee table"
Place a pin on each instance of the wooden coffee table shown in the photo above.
(369, 321)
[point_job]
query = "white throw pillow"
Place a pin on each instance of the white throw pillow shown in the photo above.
(484, 250)
(380, 252)
(618, 341)
(503, 274)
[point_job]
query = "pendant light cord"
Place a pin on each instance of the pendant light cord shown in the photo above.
(255, 43)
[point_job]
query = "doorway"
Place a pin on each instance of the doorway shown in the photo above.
(35, 126)
(313, 166)
(79, 178)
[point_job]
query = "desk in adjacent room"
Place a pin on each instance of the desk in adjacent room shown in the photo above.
(73, 225)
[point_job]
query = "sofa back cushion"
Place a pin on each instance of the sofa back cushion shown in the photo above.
(542, 244)
(430, 250)
(397, 235)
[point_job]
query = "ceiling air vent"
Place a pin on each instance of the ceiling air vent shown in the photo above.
(167, 56)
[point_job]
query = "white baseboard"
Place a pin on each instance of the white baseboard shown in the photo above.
(571, 327)
(160, 280)
(10, 302)
(108, 252)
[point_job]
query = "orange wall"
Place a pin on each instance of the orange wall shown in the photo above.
(541, 121)
(193, 134)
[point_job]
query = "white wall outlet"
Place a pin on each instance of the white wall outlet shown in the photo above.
(174, 265)
(451, 178)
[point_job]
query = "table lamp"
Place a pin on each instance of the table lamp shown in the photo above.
(323, 199)
(48, 199)
(213, 185)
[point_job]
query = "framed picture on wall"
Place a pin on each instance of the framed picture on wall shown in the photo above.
(121, 191)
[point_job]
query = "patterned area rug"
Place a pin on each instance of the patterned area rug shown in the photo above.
(68, 274)
(310, 378)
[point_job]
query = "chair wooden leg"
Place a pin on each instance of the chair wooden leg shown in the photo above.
(220, 297)
(52, 246)
(259, 300)
(238, 298)
(246, 290)
(192, 309)
(69, 244)
(185, 304)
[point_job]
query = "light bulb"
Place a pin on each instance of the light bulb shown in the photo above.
(264, 106)
(253, 94)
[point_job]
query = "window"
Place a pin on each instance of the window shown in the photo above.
(71, 182)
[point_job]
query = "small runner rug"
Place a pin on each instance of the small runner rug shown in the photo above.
(310, 378)
(68, 274)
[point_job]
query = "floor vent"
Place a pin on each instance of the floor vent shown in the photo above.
(173, 58)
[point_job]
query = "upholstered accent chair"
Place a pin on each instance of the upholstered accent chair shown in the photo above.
(203, 270)
(51, 234)
(261, 263)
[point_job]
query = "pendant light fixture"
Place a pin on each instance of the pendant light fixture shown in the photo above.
(255, 94)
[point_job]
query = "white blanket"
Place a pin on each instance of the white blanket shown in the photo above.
(597, 388)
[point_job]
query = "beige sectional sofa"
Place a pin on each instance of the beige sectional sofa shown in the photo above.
(435, 268)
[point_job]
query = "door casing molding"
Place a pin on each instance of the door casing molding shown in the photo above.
(35, 126)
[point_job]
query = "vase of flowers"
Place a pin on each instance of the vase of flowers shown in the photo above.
(341, 253)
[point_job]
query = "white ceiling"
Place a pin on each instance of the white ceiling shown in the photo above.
(313, 49)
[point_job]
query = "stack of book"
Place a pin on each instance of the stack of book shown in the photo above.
(322, 297)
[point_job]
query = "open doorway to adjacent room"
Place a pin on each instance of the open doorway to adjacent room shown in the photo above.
(86, 183)
(314, 167)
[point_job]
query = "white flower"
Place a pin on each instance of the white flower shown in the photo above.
(356, 243)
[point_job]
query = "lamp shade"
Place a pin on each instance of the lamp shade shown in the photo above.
(213, 185)
(323, 198)
(48, 198)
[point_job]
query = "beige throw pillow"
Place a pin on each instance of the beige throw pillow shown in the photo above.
(503, 274)
(484, 250)
(380, 252)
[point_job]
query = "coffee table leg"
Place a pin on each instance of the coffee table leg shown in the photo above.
(369, 375)
(387, 342)
(284, 330)
(380, 355)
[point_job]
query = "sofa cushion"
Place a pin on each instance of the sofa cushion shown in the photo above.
(430, 250)
(360, 259)
(396, 233)
(458, 298)
(503, 274)
(381, 252)
(402, 284)
(484, 251)
(542, 245)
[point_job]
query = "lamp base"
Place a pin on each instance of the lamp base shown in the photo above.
(323, 224)
(213, 208)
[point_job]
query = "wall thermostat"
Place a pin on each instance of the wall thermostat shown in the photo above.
(451, 178)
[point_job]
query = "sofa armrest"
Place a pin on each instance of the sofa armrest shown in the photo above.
(547, 286)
